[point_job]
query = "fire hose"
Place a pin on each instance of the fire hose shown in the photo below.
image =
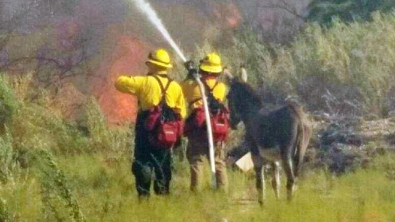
(195, 74)
(146, 8)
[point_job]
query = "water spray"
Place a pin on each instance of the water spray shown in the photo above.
(146, 8)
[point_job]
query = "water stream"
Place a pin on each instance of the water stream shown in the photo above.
(146, 8)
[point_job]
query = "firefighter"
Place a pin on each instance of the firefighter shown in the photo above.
(210, 68)
(150, 159)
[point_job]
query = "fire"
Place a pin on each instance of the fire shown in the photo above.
(228, 14)
(128, 59)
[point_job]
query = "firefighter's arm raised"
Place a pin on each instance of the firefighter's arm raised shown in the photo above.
(130, 85)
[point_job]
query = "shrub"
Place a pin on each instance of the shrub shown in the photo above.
(7, 159)
(103, 137)
(8, 103)
(55, 189)
(343, 69)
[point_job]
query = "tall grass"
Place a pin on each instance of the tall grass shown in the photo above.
(33, 132)
(8, 164)
(54, 189)
(102, 137)
(52, 170)
(351, 63)
(8, 102)
(105, 192)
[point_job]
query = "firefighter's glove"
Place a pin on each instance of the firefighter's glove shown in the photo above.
(190, 66)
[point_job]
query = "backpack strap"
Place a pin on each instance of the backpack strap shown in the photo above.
(210, 90)
(211, 96)
(163, 88)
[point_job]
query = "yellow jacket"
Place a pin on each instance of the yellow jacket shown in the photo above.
(192, 92)
(149, 93)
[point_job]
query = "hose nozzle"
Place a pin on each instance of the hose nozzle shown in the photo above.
(190, 67)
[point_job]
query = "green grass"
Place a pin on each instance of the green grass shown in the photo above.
(105, 192)
(50, 170)
(352, 61)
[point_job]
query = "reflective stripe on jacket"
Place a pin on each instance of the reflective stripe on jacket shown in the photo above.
(149, 94)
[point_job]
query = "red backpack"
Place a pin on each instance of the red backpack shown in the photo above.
(163, 124)
(219, 116)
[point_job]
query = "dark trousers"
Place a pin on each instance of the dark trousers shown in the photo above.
(149, 161)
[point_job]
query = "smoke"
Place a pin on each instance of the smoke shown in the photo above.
(146, 8)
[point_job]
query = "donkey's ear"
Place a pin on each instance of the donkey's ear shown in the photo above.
(243, 73)
(227, 75)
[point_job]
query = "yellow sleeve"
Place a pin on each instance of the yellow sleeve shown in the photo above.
(191, 91)
(130, 85)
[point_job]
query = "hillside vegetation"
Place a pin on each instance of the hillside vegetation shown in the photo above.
(53, 169)
(346, 69)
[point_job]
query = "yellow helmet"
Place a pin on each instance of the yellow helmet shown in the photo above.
(211, 63)
(160, 57)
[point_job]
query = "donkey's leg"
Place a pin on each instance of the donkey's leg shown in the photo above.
(287, 154)
(288, 168)
(276, 179)
(260, 177)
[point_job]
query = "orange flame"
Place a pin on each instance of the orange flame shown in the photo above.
(128, 59)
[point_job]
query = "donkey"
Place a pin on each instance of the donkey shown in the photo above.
(278, 136)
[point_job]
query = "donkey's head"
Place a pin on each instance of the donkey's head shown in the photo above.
(241, 101)
(233, 108)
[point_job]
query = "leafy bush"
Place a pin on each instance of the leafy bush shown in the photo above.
(56, 193)
(103, 137)
(7, 160)
(344, 69)
(325, 11)
(8, 102)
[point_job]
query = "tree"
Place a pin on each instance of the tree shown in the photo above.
(58, 42)
(54, 39)
(324, 11)
(277, 21)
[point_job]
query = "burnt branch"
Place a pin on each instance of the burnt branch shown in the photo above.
(283, 5)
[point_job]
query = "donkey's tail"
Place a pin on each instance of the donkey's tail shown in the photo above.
(303, 137)
(301, 147)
